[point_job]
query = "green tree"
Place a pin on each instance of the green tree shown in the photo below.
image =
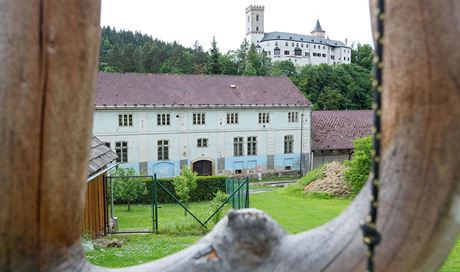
(359, 167)
(330, 99)
(185, 184)
(362, 55)
(127, 189)
(213, 64)
(283, 68)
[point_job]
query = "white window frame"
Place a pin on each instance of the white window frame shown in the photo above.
(293, 117)
(252, 145)
(125, 120)
(288, 144)
(163, 150)
(199, 118)
(202, 142)
(121, 149)
(264, 117)
(232, 118)
(163, 119)
(238, 146)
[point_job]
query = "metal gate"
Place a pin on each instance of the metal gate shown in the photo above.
(144, 204)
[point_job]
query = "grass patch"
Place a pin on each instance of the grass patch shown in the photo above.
(314, 174)
(139, 249)
(171, 218)
(297, 214)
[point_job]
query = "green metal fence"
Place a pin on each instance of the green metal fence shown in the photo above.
(144, 204)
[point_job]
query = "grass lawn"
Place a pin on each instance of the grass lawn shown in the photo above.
(139, 248)
(297, 214)
(171, 218)
(294, 212)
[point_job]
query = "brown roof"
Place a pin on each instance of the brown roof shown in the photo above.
(183, 90)
(100, 155)
(335, 130)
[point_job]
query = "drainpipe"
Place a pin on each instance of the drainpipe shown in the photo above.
(301, 144)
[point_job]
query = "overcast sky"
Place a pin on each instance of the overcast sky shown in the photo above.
(186, 21)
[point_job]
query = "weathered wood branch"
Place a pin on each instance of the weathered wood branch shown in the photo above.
(46, 83)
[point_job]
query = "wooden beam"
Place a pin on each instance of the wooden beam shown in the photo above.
(48, 55)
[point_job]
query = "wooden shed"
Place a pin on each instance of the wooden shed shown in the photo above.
(95, 215)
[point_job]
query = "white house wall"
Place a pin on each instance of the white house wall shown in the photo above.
(142, 138)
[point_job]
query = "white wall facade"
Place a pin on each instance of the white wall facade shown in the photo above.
(327, 54)
(182, 134)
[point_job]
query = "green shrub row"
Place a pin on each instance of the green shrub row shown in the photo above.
(205, 190)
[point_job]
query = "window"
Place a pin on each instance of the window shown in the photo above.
(202, 142)
(107, 144)
(252, 146)
(163, 150)
(301, 45)
(238, 146)
(306, 45)
(324, 55)
(298, 52)
(324, 47)
(238, 171)
(314, 46)
(257, 28)
(163, 119)
(121, 148)
(263, 118)
(288, 144)
(232, 118)
(293, 117)
(199, 119)
(257, 17)
(286, 52)
(307, 54)
(292, 44)
(125, 120)
(276, 52)
(286, 44)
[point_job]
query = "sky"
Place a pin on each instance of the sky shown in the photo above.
(199, 20)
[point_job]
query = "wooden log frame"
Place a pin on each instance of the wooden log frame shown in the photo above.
(48, 60)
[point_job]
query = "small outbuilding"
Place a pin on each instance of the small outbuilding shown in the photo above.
(95, 217)
(334, 132)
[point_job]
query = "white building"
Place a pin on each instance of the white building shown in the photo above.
(217, 124)
(300, 49)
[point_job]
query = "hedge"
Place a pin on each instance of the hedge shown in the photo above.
(206, 188)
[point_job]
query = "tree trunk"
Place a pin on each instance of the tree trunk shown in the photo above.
(48, 55)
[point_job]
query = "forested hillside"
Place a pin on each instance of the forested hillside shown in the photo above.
(344, 86)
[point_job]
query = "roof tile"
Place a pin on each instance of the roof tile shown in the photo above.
(335, 130)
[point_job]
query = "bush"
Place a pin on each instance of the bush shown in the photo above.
(219, 199)
(128, 190)
(206, 188)
(360, 166)
(185, 183)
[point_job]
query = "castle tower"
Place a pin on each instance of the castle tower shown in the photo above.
(254, 24)
(318, 31)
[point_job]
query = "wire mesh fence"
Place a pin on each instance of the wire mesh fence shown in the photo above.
(146, 204)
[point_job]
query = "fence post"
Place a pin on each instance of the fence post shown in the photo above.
(155, 203)
(247, 192)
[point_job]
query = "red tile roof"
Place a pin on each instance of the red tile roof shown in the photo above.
(335, 130)
(165, 89)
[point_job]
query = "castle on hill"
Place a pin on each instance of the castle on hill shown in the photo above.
(300, 49)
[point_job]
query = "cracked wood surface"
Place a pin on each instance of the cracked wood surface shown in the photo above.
(48, 55)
